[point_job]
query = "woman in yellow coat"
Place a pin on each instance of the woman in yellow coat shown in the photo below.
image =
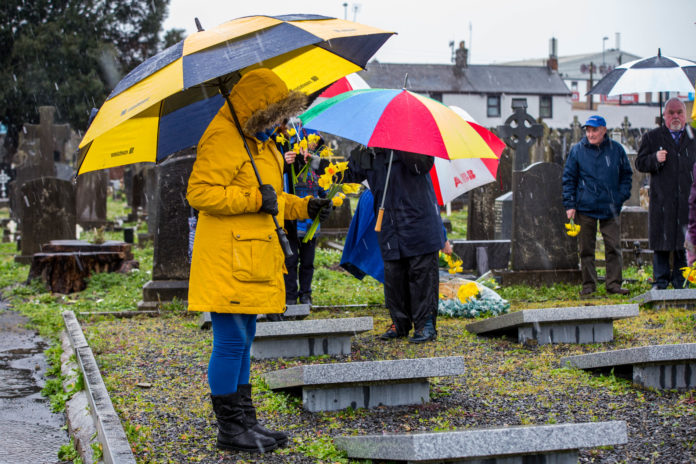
(237, 264)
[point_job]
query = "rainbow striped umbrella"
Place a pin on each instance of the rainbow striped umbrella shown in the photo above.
(402, 120)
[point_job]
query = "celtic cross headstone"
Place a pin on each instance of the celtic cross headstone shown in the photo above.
(520, 131)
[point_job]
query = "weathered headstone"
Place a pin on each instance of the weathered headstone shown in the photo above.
(576, 131)
(90, 196)
(170, 267)
(480, 212)
(6, 176)
(338, 222)
(48, 214)
(503, 216)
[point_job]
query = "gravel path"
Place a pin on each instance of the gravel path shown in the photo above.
(155, 370)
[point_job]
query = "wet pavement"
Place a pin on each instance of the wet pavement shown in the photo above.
(29, 432)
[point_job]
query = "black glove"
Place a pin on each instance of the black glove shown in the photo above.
(269, 201)
(319, 206)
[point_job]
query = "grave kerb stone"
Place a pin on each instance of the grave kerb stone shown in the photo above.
(661, 299)
(486, 443)
(583, 324)
(331, 387)
(656, 366)
(307, 338)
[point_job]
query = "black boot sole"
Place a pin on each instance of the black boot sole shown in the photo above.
(265, 449)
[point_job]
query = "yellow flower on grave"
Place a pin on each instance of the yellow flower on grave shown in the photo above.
(689, 274)
(467, 291)
(280, 138)
(338, 199)
(350, 188)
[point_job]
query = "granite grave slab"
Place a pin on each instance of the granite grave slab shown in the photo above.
(286, 339)
(662, 299)
(582, 324)
(656, 366)
(545, 444)
(369, 384)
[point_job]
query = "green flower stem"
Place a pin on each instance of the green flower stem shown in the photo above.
(333, 190)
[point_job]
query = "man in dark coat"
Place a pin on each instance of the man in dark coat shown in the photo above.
(411, 236)
(596, 182)
(668, 154)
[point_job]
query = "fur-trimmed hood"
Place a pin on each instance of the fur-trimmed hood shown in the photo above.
(262, 100)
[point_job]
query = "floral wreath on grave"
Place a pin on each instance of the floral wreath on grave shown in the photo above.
(470, 299)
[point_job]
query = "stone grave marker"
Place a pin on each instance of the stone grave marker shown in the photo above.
(503, 216)
(314, 337)
(541, 250)
(481, 213)
(338, 222)
(583, 324)
(530, 444)
(655, 366)
(6, 176)
(369, 384)
(48, 214)
(663, 299)
(91, 188)
(170, 267)
(520, 132)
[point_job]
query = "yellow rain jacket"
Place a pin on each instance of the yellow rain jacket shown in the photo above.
(238, 264)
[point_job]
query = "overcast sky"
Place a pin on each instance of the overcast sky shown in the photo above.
(500, 30)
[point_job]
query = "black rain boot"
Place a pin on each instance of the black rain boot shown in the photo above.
(233, 433)
(250, 417)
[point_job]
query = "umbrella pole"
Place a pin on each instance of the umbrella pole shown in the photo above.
(380, 215)
(282, 237)
(660, 93)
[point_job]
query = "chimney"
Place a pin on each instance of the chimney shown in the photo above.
(552, 62)
(461, 56)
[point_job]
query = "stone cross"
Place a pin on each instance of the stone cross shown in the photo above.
(625, 126)
(52, 137)
(576, 129)
(4, 180)
(520, 131)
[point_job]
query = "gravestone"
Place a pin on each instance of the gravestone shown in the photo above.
(170, 266)
(150, 189)
(481, 213)
(663, 299)
(520, 132)
(539, 241)
(90, 195)
(6, 176)
(48, 214)
(503, 216)
(576, 132)
(338, 221)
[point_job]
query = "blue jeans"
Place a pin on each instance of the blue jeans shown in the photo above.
(662, 274)
(230, 361)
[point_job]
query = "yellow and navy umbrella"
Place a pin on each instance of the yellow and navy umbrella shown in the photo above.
(165, 104)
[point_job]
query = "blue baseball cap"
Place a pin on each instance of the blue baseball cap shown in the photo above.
(595, 121)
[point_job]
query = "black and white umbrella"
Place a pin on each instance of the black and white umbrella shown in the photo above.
(655, 74)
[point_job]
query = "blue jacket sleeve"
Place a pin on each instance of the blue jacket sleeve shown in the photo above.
(570, 180)
(625, 175)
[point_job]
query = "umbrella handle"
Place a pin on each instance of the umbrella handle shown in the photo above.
(380, 216)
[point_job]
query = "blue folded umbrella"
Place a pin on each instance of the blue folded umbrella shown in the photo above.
(361, 253)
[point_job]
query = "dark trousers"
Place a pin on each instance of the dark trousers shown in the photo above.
(411, 287)
(663, 274)
(587, 238)
(302, 254)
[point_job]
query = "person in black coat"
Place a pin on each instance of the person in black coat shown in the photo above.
(668, 154)
(411, 236)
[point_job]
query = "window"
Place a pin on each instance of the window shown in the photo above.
(519, 102)
(493, 106)
(436, 96)
(545, 106)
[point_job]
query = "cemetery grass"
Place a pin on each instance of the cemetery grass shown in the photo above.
(155, 371)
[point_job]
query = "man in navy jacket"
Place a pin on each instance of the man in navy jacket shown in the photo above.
(596, 182)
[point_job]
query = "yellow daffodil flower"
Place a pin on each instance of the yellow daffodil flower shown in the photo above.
(331, 169)
(689, 274)
(455, 266)
(342, 166)
(313, 138)
(325, 181)
(291, 131)
(280, 139)
(303, 144)
(296, 147)
(350, 188)
(338, 199)
(467, 291)
(572, 229)
(326, 152)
